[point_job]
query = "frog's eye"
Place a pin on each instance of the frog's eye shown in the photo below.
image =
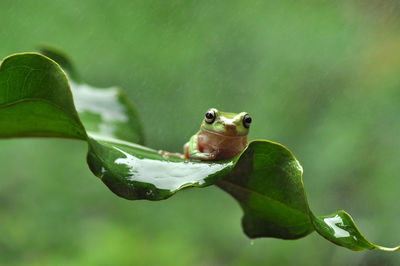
(210, 117)
(246, 121)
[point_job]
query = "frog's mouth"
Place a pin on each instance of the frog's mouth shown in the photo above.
(234, 135)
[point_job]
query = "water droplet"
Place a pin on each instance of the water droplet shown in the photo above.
(251, 242)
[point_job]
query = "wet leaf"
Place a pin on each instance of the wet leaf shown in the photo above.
(266, 179)
(340, 229)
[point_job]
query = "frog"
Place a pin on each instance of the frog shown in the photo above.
(222, 136)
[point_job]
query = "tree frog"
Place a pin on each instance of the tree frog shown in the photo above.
(221, 136)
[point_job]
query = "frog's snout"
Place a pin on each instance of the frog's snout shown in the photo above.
(230, 127)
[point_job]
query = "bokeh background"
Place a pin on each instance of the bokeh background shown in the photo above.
(321, 77)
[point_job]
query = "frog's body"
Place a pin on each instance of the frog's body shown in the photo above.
(221, 136)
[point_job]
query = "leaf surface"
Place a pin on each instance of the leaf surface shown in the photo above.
(35, 99)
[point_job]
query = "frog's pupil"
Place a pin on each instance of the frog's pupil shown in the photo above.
(246, 121)
(210, 117)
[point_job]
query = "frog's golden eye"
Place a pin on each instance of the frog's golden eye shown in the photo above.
(210, 117)
(246, 121)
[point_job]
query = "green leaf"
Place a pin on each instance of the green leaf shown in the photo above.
(340, 229)
(266, 179)
(267, 182)
(35, 99)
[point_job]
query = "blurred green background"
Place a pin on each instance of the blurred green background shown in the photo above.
(321, 77)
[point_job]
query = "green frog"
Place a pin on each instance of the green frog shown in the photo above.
(221, 136)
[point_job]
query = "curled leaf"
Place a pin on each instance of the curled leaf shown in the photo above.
(38, 99)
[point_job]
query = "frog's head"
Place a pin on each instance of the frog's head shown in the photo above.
(227, 124)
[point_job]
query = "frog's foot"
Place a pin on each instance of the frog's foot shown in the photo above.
(167, 154)
(209, 156)
(203, 156)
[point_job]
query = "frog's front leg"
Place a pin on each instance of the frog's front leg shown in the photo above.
(192, 151)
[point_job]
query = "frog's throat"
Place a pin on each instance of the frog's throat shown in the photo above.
(223, 135)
